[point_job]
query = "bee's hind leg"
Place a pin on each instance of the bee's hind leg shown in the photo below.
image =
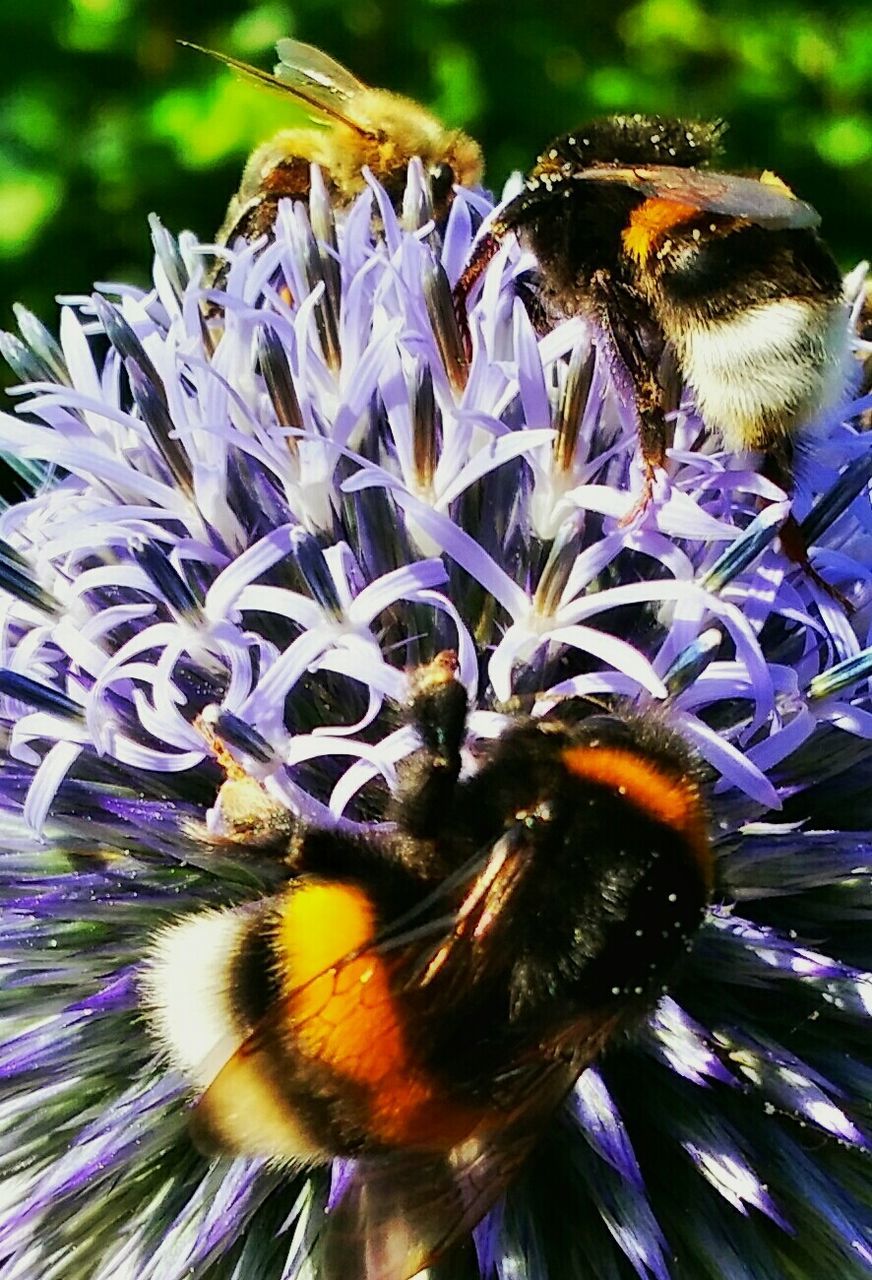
(245, 815)
(634, 347)
(778, 467)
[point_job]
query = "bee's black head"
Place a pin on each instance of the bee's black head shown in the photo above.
(634, 139)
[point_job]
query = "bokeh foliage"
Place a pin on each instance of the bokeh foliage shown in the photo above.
(103, 117)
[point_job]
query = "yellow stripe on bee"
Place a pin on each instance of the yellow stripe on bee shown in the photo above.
(343, 1016)
(340, 1003)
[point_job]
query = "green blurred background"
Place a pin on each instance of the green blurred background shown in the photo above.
(103, 117)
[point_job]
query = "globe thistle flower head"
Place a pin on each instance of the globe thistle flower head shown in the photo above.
(252, 512)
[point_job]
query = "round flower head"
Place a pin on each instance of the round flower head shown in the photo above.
(252, 514)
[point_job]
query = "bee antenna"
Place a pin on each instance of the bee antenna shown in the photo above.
(405, 643)
(523, 703)
(189, 44)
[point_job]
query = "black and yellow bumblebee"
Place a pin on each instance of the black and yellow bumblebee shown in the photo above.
(632, 228)
(420, 1000)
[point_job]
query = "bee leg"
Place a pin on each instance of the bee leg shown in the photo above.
(652, 442)
(777, 467)
(794, 546)
(529, 290)
(245, 813)
(635, 346)
(864, 333)
(483, 253)
(428, 778)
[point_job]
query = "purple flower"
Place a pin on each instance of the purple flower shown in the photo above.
(266, 516)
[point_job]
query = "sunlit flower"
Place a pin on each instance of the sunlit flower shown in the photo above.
(268, 511)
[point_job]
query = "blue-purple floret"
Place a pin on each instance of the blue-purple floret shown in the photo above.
(262, 505)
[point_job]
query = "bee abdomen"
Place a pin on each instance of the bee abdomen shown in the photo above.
(765, 370)
(206, 983)
(758, 323)
(191, 986)
(286, 1014)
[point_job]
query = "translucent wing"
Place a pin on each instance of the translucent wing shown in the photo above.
(302, 66)
(347, 1017)
(396, 1213)
(769, 204)
(324, 102)
(434, 1161)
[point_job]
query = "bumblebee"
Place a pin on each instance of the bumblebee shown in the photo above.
(422, 999)
(632, 230)
(353, 126)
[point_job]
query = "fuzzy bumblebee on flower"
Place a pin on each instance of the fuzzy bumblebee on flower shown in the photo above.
(417, 851)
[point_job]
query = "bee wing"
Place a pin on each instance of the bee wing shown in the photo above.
(770, 204)
(245, 1108)
(397, 1215)
(400, 1212)
(303, 66)
(324, 101)
(403, 1207)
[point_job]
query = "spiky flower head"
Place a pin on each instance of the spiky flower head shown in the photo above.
(258, 514)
